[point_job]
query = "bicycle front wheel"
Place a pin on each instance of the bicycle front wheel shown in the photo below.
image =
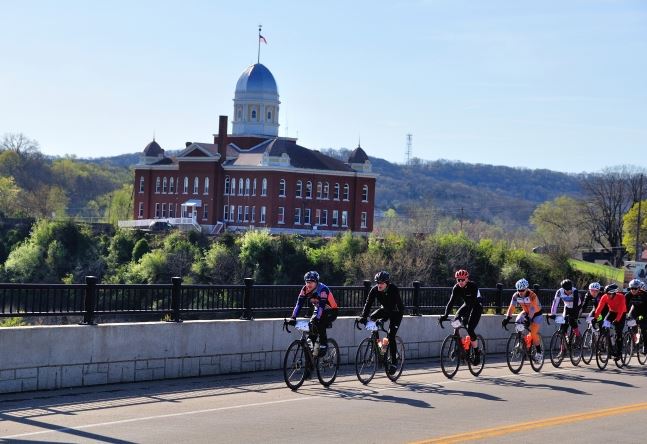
(450, 356)
(557, 348)
(536, 357)
(295, 365)
(476, 358)
(366, 360)
(588, 346)
(575, 351)
(627, 348)
(603, 351)
(399, 363)
(515, 354)
(328, 364)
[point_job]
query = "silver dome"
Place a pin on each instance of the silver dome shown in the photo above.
(256, 79)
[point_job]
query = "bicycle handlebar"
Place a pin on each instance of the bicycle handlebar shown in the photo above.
(440, 322)
(286, 323)
(357, 324)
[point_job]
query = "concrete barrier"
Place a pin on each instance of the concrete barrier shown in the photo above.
(51, 357)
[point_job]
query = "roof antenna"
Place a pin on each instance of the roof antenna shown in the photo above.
(359, 141)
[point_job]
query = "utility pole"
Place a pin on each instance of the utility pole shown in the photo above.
(640, 198)
(409, 147)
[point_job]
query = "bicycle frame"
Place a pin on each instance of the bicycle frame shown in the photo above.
(517, 343)
(453, 352)
(370, 354)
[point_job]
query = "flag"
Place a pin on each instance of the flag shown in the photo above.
(262, 39)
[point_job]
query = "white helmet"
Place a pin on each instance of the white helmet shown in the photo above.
(521, 284)
(595, 286)
(635, 283)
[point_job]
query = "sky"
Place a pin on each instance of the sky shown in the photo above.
(560, 85)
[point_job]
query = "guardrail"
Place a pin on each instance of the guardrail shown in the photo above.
(231, 301)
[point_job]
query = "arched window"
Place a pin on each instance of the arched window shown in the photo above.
(241, 190)
(282, 188)
(254, 188)
(164, 185)
(186, 185)
(269, 116)
(247, 187)
(233, 186)
(319, 190)
(264, 187)
(308, 190)
(227, 185)
(346, 191)
(365, 193)
(253, 114)
(141, 184)
(326, 192)
(206, 185)
(299, 189)
(336, 193)
(196, 185)
(171, 187)
(157, 185)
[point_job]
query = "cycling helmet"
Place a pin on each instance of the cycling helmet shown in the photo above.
(566, 284)
(635, 283)
(382, 276)
(643, 286)
(311, 276)
(611, 288)
(521, 284)
(461, 274)
(594, 286)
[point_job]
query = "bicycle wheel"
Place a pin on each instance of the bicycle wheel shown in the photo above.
(557, 348)
(588, 346)
(328, 364)
(399, 364)
(640, 353)
(627, 348)
(295, 365)
(476, 365)
(515, 354)
(575, 351)
(536, 357)
(366, 360)
(603, 351)
(450, 356)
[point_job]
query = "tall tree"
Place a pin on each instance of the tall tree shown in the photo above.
(19, 144)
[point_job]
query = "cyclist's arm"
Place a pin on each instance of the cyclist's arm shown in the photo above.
(450, 303)
(511, 306)
(601, 305)
(369, 302)
(300, 299)
(553, 308)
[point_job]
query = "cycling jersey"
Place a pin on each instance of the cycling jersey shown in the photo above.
(389, 300)
(639, 303)
(616, 305)
(469, 293)
(529, 303)
(571, 301)
(321, 297)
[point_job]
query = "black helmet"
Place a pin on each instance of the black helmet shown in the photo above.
(611, 288)
(567, 284)
(382, 276)
(311, 276)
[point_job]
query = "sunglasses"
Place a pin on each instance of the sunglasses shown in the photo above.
(634, 288)
(461, 280)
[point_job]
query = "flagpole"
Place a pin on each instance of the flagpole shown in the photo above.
(258, 60)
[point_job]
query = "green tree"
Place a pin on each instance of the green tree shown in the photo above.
(258, 255)
(630, 224)
(9, 197)
(559, 223)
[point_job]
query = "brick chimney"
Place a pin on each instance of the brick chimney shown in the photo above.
(221, 138)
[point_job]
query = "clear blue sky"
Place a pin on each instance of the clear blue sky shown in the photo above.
(551, 84)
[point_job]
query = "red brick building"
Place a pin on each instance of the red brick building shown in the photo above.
(253, 178)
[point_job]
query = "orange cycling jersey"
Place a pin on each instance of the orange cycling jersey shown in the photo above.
(617, 305)
(528, 301)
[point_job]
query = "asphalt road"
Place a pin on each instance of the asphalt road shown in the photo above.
(566, 404)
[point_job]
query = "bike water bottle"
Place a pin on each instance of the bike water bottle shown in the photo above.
(528, 339)
(467, 342)
(385, 344)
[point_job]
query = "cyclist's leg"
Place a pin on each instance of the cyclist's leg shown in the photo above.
(394, 325)
(564, 327)
(620, 326)
(535, 326)
(472, 321)
(572, 320)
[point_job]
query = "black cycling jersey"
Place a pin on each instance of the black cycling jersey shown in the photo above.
(470, 295)
(639, 303)
(389, 299)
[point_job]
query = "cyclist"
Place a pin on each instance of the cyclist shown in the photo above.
(569, 295)
(637, 303)
(531, 307)
(593, 296)
(324, 313)
(471, 310)
(615, 301)
(391, 308)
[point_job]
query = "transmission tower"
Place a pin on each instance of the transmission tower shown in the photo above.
(408, 152)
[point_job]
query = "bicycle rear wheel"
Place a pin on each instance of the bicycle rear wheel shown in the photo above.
(399, 364)
(328, 364)
(477, 353)
(450, 356)
(575, 350)
(557, 348)
(515, 354)
(588, 346)
(295, 365)
(366, 360)
(640, 353)
(536, 358)
(603, 351)
(627, 348)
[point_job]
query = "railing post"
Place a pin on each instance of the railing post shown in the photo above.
(367, 288)
(416, 297)
(247, 300)
(176, 294)
(499, 298)
(535, 288)
(89, 300)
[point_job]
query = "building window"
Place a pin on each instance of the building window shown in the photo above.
(253, 213)
(205, 211)
(324, 217)
(141, 210)
(365, 193)
(171, 187)
(240, 213)
(264, 187)
(253, 114)
(206, 185)
(226, 186)
(318, 216)
(346, 191)
(262, 220)
(241, 190)
(254, 188)
(157, 185)
(246, 215)
(282, 188)
(163, 210)
(233, 187)
(281, 215)
(186, 185)
(297, 216)
(299, 189)
(308, 190)
(231, 213)
(269, 116)
(247, 187)
(335, 218)
(171, 210)
(164, 185)
(326, 192)
(319, 190)
(157, 211)
(364, 219)
(336, 193)
(225, 212)
(344, 218)
(196, 185)
(141, 184)
(306, 216)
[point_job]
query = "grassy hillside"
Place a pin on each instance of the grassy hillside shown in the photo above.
(606, 273)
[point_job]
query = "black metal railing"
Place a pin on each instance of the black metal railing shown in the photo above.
(175, 300)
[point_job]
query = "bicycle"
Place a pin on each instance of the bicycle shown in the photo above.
(638, 341)
(589, 341)
(456, 350)
(606, 344)
(561, 344)
(520, 347)
(301, 359)
(374, 351)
